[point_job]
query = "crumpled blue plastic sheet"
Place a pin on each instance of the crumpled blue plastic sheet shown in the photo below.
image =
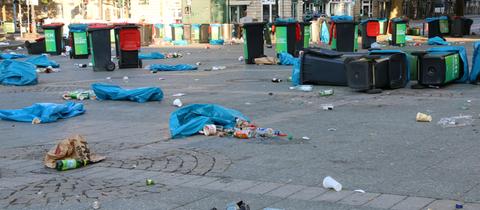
(164, 67)
(437, 41)
(217, 42)
(475, 73)
(42, 61)
(17, 73)
(463, 55)
(296, 72)
(152, 55)
(12, 56)
(191, 119)
(44, 112)
(341, 18)
(115, 92)
(286, 59)
(325, 36)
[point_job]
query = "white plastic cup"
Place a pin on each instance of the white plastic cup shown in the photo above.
(177, 102)
(329, 182)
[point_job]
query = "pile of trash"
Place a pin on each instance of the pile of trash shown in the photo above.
(79, 95)
(242, 130)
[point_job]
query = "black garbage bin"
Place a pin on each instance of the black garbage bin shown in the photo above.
(304, 40)
(435, 25)
(99, 39)
(467, 24)
(78, 41)
(457, 26)
(204, 33)
(438, 68)
(53, 38)
(286, 40)
(37, 47)
(253, 41)
(369, 29)
(399, 31)
(343, 34)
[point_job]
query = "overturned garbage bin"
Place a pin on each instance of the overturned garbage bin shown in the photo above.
(285, 35)
(438, 68)
(37, 47)
(204, 33)
(129, 37)
(253, 41)
(344, 34)
(370, 29)
(378, 70)
(99, 39)
(78, 41)
(399, 31)
(53, 38)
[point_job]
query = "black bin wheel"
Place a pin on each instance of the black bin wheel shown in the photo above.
(140, 64)
(374, 91)
(418, 86)
(110, 66)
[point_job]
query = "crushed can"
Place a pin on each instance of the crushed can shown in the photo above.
(244, 134)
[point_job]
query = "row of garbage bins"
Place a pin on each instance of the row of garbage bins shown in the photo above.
(92, 39)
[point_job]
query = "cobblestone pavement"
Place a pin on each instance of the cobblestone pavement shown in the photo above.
(368, 142)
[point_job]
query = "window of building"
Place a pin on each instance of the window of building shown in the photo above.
(366, 9)
(143, 2)
(187, 10)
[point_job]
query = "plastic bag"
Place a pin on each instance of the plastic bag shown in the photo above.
(43, 112)
(42, 61)
(12, 56)
(286, 59)
(437, 41)
(152, 55)
(164, 67)
(115, 92)
(457, 121)
(475, 73)
(74, 147)
(17, 73)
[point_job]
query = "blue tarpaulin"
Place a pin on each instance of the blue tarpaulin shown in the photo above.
(341, 18)
(164, 67)
(12, 56)
(325, 35)
(475, 73)
(407, 62)
(42, 61)
(152, 55)
(430, 19)
(45, 112)
(217, 42)
(464, 77)
(74, 28)
(285, 20)
(17, 73)
(191, 119)
(115, 92)
(437, 41)
(296, 72)
(286, 59)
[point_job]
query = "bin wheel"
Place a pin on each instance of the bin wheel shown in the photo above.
(110, 66)
(418, 86)
(374, 91)
(140, 64)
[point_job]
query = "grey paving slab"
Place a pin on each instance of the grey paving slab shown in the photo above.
(199, 182)
(385, 201)
(240, 186)
(263, 188)
(332, 196)
(315, 205)
(308, 193)
(442, 205)
(285, 190)
(412, 203)
(358, 199)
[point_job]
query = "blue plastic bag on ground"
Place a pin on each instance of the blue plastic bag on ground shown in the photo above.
(437, 41)
(164, 67)
(296, 73)
(12, 56)
(286, 59)
(325, 35)
(42, 61)
(191, 119)
(17, 73)
(115, 92)
(43, 112)
(152, 55)
(463, 55)
(475, 73)
(217, 42)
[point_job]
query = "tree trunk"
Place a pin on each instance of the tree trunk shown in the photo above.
(396, 9)
(459, 7)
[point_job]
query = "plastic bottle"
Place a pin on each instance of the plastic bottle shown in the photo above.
(63, 165)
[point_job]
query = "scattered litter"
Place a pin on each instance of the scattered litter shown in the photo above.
(19, 48)
(47, 70)
(125, 79)
(196, 79)
(266, 61)
(248, 103)
(327, 92)
(276, 80)
(174, 55)
(39, 192)
(304, 88)
(421, 117)
(79, 94)
(241, 58)
(109, 78)
(134, 166)
(96, 204)
(177, 102)
(376, 45)
(207, 47)
(160, 78)
(43, 112)
(306, 138)
(63, 54)
(81, 65)
(115, 92)
(216, 68)
(332, 129)
(149, 182)
(238, 206)
(4, 43)
(458, 206)
(178, 94)
(72, 148)
(469, 101)
(456, 121)
(198, 63)
(327, 107)
(270, 94)
(329, 182)
(359, 191)
(90, 64)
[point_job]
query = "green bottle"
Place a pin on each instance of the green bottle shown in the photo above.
(63, 165)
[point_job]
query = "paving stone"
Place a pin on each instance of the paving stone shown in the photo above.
(385, 201)
(333, 196)
(471, 206)
(357, 199)
(178, 180)
(442, 205)
(308, 193)
(218, 185)
(285, 190)
(199, 182)
(263, 188)
(412, 203)
(240, 185)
